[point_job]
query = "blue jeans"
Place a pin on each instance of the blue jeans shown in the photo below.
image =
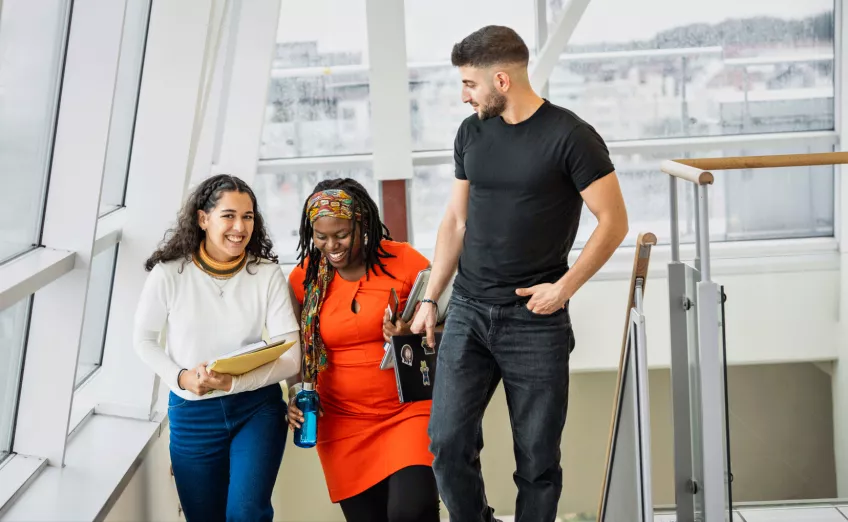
(226, 453)
(481, 345)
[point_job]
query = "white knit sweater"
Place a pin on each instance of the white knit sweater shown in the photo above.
(199, 324)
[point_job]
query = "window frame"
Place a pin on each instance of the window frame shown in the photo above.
(50, 138)
(55, 272)
(139, 75)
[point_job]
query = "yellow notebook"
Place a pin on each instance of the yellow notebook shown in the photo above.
(249, 358)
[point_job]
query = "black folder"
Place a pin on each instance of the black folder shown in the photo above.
(415, 366)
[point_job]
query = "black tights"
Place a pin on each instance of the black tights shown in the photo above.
(408, 495)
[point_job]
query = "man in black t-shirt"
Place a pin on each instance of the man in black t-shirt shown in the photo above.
(524, 168)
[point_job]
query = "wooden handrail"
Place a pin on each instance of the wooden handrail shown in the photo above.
(763, 162)
(641, 259)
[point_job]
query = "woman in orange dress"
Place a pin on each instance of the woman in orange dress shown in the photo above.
(374, 450)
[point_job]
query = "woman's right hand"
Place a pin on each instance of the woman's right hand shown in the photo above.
(189, 381)
(295, 416)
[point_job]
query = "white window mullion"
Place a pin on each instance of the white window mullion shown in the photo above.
(246, 87)
(391, 128)
(70, 223)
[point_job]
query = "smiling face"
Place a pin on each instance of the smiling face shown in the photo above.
(479, 91)
(228, 226)
(335, 239)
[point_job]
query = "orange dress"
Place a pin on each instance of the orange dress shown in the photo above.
(366, 434)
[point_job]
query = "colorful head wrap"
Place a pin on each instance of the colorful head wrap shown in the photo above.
(327, 203)
(330, 203)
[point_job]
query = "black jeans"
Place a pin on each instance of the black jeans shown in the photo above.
(408, 495)
(481, 345)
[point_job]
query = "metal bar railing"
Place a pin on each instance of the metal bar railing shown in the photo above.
(675, 232)
(702, 488)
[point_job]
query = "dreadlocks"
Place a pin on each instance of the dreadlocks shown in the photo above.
(371, 227)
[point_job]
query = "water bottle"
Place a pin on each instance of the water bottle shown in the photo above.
(306, 400)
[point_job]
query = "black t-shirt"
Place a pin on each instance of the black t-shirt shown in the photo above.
(524, 203)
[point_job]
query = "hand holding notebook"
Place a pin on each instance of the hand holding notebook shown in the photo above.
(249, 357)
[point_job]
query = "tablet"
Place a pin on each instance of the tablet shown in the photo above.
(419, 287)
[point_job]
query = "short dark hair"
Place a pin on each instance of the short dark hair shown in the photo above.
(491, 45)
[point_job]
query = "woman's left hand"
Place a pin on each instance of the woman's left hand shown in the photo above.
(390, 330)
(214, 380)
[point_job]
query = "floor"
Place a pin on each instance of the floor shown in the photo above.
(782, 514)
(838, 513)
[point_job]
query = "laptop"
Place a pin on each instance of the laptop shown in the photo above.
(415, 371)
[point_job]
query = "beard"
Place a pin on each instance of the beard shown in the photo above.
(494, 105)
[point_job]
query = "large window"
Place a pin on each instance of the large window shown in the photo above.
(654, 71)
(32, 40)
(96, 315)
(432, 28)
(667, 69)
(799, 202)
(281, 198)
(318, 100)
(13, 329)
(124, 105)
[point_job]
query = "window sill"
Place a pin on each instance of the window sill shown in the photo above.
(27, 273)
(86, 488)
(16, 474)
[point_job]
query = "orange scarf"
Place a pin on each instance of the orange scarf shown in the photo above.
(217, 269)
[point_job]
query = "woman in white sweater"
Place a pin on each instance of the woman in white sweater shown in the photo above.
(214, 284)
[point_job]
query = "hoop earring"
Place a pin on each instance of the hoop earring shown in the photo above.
(366, 239)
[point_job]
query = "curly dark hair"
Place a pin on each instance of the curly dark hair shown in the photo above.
(491, 45)
(372, 251)
(184, 240)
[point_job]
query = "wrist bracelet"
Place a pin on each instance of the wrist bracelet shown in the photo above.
(434, 303)
(180, 386)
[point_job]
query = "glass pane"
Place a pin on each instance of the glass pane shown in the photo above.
(124, 105)
(314, 111)
(687, 69)
(432, 28)
(13, 328)
(32, 39)
(317, 115)
(726, 416)
(96, 313)
(321, 33)
(623, 496)
(741, 201)
(281, 198)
